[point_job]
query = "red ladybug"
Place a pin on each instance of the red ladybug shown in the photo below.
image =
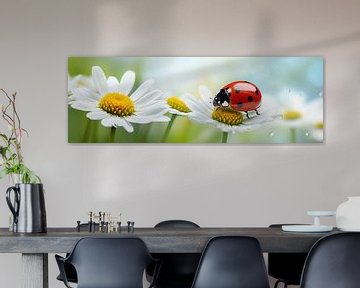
(240, 96)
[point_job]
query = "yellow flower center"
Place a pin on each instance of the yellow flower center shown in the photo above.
(227, 116)
(178, 104)
(292, 115)
(117, 104)
(319, 125)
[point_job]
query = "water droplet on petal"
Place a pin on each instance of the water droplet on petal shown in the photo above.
(307, 134)
(272, 133)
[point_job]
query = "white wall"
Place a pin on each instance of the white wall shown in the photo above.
(214, 185)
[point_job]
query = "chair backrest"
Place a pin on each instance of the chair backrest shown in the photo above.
(286, 267)
(176, 224)
(178, 269)
(110, 262)
(333, 262)
(232, 262)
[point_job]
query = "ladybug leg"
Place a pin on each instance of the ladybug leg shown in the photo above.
(257, 112)
(247, 114)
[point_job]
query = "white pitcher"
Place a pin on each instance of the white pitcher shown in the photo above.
(348, 214)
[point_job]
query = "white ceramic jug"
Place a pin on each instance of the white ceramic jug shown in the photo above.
(348, 214)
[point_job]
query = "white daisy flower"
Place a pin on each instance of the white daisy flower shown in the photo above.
(112, 103)
(227, 119)
(316, 119)
(295, 109)
(79, 81)
(297, 112)
(178, 104)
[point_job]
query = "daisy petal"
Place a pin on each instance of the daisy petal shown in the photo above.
(153, 110)
(148, 97)
(147, 119)
(156, 100)
(177, 112)
(127, 82)
(84, 106)
(162, 118)
(108, 122)
(198, 119)
(84, 94)
(113, 84)
(97, 115)
(144, 87)
(140, 119)
(99, 79)
(121, 122)
(197, 105)
(205, 93)
(186, 97)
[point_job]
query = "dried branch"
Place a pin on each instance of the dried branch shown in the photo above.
(11, 150)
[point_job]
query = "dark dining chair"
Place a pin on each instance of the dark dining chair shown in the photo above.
(232, 262)
(108, 263)
(333, 262)
(70, 271)
(286, 267)
(178, 269)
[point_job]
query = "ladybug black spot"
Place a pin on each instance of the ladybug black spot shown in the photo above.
(250, 98)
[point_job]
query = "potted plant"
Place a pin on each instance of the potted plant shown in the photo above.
(25, 197)
(12, 161)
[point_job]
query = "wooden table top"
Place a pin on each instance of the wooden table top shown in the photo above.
(158, 240)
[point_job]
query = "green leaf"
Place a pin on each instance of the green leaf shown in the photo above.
(27, 133)
(13, 156)
(4, 137)
(33, 178)
(3, 151)
(27, 175)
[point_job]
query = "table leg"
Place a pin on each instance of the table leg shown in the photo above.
(35, 270)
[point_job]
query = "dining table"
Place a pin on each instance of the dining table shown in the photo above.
(35, 247)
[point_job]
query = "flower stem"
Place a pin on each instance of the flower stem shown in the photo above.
(168, 128)
(86, 135)
(292, 135)
(112, 134)
(224, 137)
(94, 132)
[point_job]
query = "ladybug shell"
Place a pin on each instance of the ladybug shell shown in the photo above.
(244, 95)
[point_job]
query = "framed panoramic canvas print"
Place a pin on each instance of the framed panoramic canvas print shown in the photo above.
(195, 100)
